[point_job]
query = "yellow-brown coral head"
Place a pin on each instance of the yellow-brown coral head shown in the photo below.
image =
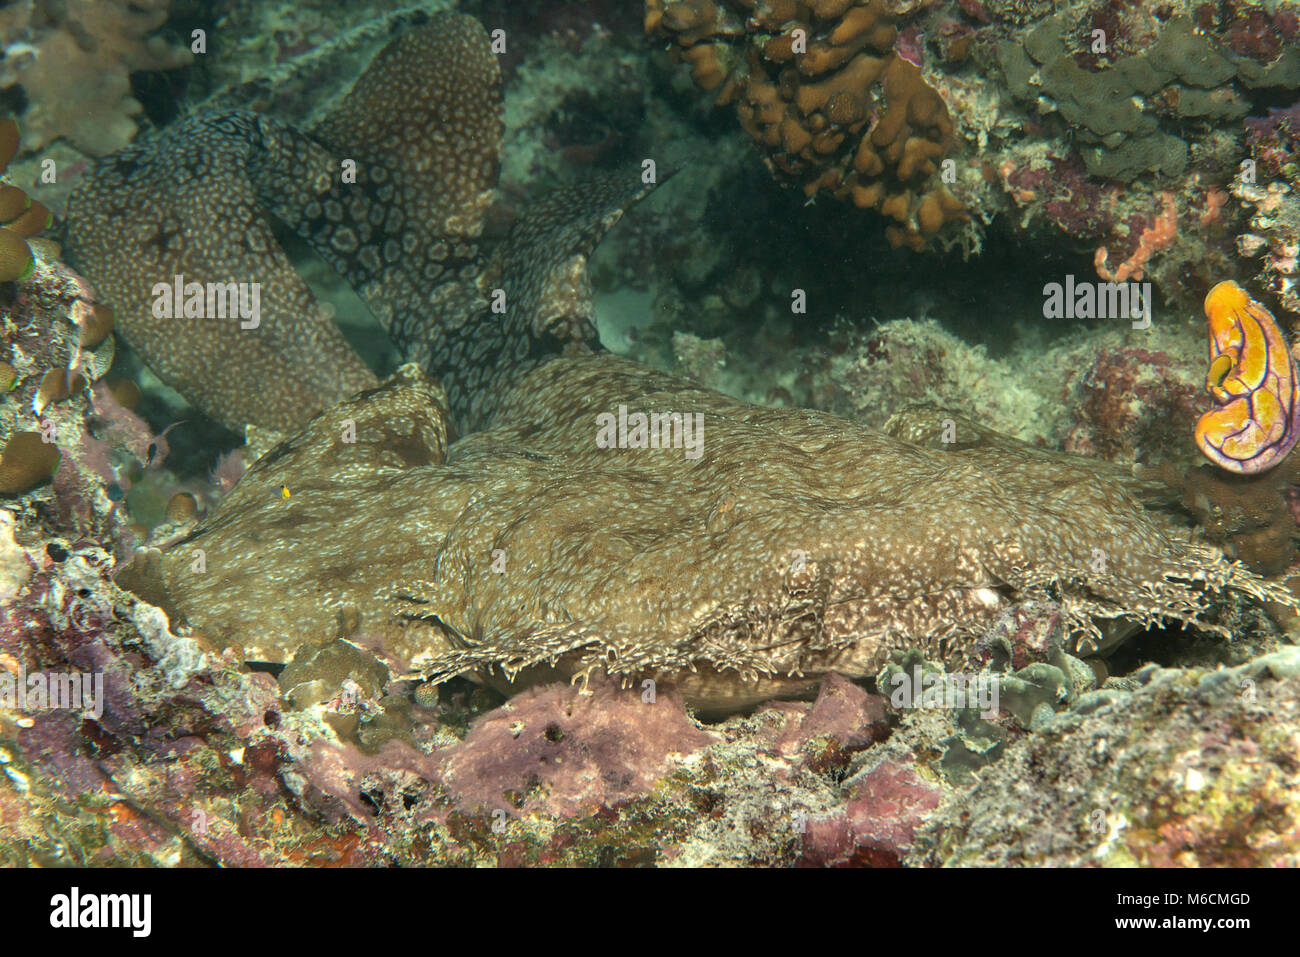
(27, 461)
(16, 260)
(20, 217)
(30, 221)
(13, 203)
(55, 386)
(1255, 421)
(820, 87)
(95, 322)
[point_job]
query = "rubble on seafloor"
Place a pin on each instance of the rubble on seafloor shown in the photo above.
(200, 756)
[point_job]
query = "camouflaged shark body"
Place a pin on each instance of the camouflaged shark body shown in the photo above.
(794, 544)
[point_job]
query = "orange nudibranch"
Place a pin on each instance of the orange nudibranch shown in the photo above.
(1255, 420)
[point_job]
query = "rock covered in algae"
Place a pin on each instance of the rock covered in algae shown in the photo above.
(794, 545)
(555, 751)
(1194, 768)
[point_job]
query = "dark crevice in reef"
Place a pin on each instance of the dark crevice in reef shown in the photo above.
(846, 266)
(1170, 647)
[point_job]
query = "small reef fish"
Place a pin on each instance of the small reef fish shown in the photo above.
(1255, 421)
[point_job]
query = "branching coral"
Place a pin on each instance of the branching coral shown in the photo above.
(1159, 235)
(822, 87)
(73, 61)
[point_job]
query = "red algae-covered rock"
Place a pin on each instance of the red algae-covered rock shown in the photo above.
(1133, 404)
(844, 718)
(876, 826)
(559, 751)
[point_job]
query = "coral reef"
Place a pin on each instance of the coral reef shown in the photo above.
(473, 529)
(188, 758)
(829, 91)
(559, 753)
(56, 342)
(1117, 113)
(1254, 518)
(61, 421)
(1266, 185)
(769, 561)
(1132, 404)
(869, 376)
(1192, 768)
(72, 61)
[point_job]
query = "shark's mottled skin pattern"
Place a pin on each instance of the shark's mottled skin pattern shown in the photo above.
(795, 544)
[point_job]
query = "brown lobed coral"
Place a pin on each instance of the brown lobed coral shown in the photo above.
(820, 85)
(20, 217)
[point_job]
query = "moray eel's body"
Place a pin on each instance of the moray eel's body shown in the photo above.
(1255, 421)
(793, 544)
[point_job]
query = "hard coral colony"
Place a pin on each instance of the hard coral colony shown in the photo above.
(384, 556)
(824, 87)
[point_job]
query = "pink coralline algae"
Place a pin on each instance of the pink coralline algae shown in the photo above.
(1073, 201)
(1274, 138)
(1261, 36)
(557, 751)
(886, 806)
(844, 718)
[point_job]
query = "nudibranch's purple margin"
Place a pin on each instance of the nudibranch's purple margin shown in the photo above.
(1269, 455)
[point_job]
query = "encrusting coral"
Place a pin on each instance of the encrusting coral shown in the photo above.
(821, 86)
(1127, 116)
(744, 553)
(72, 62)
